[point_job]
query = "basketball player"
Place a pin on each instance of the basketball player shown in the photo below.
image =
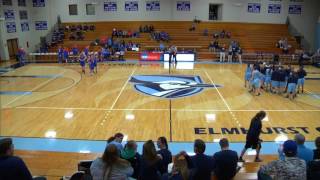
(91, 63)
(301, 74)
(95, 62)
(60, 54)
(256, 81)
(66, 54)
(248, 75)
(282, 80)
(82, 60)
(292, 85)
(252, 140)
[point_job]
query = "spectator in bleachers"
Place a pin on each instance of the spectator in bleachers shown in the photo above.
(313, 167)
(225, 161)
(291, 167)
(92, 27)
(202, 165)
(151, 163)
(222, 33)
(162, 47)
(215, 35)
(193, 27)
(164, 152)
(130, 154)
(110, 166)
(12, 167)
(73, 28)
(180, 169)
(205, 32)
(116, 140)
(222, 53)
(228, 35)
(211, 47)
(302, 152)
(252, 140)
(316, 152)
(85, 27)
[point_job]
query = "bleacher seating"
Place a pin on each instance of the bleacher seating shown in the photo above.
(253, 37)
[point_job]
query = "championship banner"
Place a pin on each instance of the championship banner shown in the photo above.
(131, 6)
(41, 25)
(153, 5)
(274, 8)
(38, 3)
(183, 5)
(110, 6)
(9, 14)
(254, 7)
(11, 27)
(295, 9)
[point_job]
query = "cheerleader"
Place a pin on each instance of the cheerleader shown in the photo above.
(248, 75)
(82, 61)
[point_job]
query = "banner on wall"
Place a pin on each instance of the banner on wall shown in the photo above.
(254, 7)
(183, 5)
(153, 5)
(110, 6)
(9, 14)
(11, 27)
(41, 25)
(131, 6)
(274, 8)
(38, 3)
(295, 9)
(24, 26)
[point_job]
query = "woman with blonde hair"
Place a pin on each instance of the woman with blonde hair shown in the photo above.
(110, 166)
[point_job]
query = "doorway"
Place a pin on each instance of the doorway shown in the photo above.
(12, 48)
(215, 12)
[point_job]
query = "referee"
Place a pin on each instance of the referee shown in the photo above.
(253, 141)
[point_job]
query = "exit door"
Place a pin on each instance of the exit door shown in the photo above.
(12, 48)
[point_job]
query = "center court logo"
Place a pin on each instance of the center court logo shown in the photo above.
(169, 86)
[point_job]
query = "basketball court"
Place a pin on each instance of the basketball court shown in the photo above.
(57, 101)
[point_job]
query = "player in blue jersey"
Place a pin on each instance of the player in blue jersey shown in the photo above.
(248, 75)
(60, 54)
(75, 52)
(256, 81)
(91, 63)
(301, 74)
(95, 62)
(82, 60)
(66, 54)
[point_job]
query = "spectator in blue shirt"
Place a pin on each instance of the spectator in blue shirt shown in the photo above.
(302, 152)
(225, 161)
(116, 140)
(11, 167)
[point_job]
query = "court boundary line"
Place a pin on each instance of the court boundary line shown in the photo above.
(122, 89)
(33, 89)
(174, 109)
(222, 98)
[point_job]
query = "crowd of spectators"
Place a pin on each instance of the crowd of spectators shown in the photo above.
(125, 33)
(146, 29)
(79, 27)
(160, 36)
(296, 161)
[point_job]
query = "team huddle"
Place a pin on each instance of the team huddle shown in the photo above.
(275, 79)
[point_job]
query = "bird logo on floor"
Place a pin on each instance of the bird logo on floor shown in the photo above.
(169, 86)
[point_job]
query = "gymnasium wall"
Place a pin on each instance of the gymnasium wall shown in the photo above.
(232, 11)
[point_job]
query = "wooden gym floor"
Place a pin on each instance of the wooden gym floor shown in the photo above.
(51, 100)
